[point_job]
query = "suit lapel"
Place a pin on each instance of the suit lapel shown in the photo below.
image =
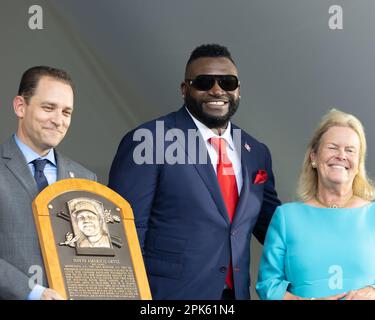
(205, 171)
(18, 166)
(62, 167)
(242, 201)
(247, 162)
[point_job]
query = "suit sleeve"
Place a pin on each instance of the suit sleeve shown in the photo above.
(134, 181)
(14, 284)
(272, 283)
(270, 201)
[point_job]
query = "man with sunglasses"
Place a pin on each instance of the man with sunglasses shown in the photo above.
(195, 217)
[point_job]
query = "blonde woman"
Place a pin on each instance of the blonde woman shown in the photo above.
(323, 246)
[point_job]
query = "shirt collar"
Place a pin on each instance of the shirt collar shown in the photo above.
(207, 133)
(31, 155)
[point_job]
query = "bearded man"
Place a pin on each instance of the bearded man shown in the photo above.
(195, 215)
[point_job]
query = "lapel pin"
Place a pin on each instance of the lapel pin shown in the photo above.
(247, 147)
(71, 174)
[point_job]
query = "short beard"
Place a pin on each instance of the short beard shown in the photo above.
(196, 109)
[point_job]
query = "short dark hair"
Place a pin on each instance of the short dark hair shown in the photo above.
(31, 77)
(209, 51)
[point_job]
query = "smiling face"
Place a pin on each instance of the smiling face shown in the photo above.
(216, 106)
(44, 121)
(88, 223)
(337, 157)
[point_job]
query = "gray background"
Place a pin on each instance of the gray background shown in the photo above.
(127, 60)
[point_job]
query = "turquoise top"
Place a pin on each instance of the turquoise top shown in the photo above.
(317, 252)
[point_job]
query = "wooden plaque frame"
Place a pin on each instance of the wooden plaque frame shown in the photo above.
(48, 242)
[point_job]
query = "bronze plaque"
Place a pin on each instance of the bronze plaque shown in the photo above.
(89, 242)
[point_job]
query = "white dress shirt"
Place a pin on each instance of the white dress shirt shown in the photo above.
(233, 155)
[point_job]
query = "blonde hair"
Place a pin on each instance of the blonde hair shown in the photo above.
(308, 181)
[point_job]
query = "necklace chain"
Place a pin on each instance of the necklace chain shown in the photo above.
(334, 205)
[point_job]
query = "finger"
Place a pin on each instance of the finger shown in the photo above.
(361, 296)
(55, 295)
(350, 295)
(340, 295)
(337, 296)
(45, 295)
(50, 294)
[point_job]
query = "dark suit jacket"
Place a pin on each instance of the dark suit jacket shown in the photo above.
(181, 219)
(19, 244)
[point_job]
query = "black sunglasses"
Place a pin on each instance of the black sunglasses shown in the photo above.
(205, 82)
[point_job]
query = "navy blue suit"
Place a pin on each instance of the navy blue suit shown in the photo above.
(182, 222)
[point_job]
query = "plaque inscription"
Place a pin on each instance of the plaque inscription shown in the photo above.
(100, 278)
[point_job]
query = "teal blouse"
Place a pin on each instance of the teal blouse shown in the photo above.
(317, 252)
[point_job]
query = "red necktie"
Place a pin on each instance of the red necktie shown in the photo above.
(228, 186)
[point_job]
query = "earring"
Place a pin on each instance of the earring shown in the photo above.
(313, 164)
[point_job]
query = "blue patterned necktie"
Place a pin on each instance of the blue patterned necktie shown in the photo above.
(39, 176)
